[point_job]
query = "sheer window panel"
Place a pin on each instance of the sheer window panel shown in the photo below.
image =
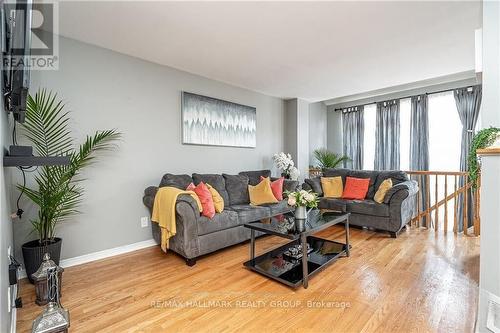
(404, 133)
(370, 113)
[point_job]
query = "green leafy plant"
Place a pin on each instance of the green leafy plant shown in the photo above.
(482, 139)
(328, 159)
(58, 192)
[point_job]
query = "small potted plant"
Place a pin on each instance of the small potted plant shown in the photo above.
(57, 191)
(302, 200)
(328, 159)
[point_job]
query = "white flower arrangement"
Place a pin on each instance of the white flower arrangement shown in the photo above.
(305, 198)
(285, 163)
(294, 173)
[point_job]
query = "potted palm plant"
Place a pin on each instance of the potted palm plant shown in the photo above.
(57, 191)
(328, 159)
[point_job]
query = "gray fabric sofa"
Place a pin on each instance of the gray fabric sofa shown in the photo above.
(391, 215)
(198, 235)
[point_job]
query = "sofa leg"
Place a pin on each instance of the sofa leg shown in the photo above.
(191, 262)
(394, 234)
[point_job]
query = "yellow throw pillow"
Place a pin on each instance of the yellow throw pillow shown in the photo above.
(332, 187)
(382, 190)
(217, 198)
(261, 193)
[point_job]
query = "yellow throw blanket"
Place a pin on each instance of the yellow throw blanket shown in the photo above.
(164, 211)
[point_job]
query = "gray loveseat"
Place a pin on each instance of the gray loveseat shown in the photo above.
(198, 235)
(391, 215)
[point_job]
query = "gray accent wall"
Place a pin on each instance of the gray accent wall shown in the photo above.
(334, 130)
(317, 129)
(104, 89)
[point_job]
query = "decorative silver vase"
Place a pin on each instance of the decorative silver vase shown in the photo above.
(300, 225)
(300, 212)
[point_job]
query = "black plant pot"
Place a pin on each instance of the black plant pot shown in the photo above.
(33, 253)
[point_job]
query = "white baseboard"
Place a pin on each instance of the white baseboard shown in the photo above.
(101, 254)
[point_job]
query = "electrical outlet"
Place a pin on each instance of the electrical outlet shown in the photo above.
(144, 221)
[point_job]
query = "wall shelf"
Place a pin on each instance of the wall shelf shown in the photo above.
(16, 161)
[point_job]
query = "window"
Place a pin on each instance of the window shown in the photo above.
(445, 135)
(370, 113)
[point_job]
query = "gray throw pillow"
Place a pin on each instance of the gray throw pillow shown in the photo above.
(217, 182)
(315, 184)
(237, 189)
(254, 176)
(178, 181)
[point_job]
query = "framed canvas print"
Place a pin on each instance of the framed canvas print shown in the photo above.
(214, 122)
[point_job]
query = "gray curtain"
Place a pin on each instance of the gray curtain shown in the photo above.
(387, 136)
(353, 129)
(419, 145)
(468, 102)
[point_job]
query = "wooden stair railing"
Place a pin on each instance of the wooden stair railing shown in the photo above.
(442, 198)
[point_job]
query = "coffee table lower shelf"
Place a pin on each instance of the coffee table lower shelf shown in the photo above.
(277, 266)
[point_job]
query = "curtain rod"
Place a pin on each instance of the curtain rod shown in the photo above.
(405, 97)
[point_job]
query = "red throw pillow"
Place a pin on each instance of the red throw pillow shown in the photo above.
(356, 188)
(190, 187)
(276, 187)
(207, 203)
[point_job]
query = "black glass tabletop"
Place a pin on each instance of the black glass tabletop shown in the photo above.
(286, 225)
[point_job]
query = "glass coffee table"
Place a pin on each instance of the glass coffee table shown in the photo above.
(287, 264)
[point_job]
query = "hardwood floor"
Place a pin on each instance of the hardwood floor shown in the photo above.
(420, 282)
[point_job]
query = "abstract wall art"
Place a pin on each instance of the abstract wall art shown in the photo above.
(214, 122)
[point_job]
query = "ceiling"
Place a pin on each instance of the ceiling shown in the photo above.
(310, 50)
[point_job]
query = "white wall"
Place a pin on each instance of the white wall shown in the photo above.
(297, 134)
(303, 138)
(6, 239)
(290, 145)
(317, 129)
(5, 222)
(489, 276)
(105, 89)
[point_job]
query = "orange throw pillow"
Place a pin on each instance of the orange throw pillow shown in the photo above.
(207, 203)
(356, 188)
(191, 187)
(276, 187)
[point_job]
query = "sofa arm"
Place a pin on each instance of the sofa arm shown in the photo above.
(185, 242)
(149, 197)
(410, 187)
(401, 204)
(190, 201)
